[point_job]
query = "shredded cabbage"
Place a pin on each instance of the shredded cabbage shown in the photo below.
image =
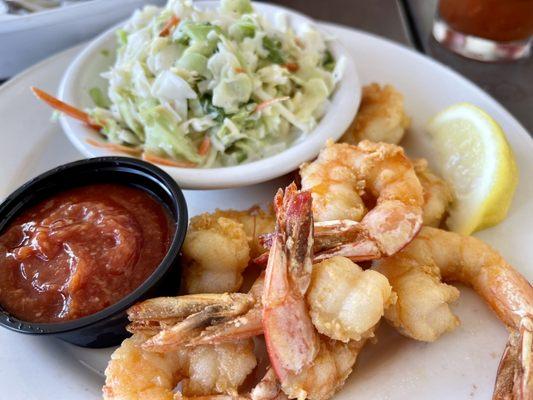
(215, 74)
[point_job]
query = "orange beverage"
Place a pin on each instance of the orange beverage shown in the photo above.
(498, 20)
(486, 30)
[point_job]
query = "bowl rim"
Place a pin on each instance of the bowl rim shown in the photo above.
(9, 208)
(343, 106)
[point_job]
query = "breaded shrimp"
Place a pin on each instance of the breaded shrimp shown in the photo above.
(381, 116)
(219, 246)
(307, 364)
(215, 252)
(345, 302)
(422, 310)
(335, 185)
(438, 194)
(267, 389)
(338, 178)
(328, 372)
(213, 331)
(137, 374)
(220, 368)
(255, 222)
(291, 340)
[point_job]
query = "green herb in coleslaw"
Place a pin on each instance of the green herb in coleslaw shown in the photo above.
(186, 76)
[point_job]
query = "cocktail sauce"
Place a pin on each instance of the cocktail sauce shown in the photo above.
(81, 251)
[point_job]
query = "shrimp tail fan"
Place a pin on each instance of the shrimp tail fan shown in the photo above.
(515, 372)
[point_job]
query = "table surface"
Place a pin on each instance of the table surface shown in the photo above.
(409, 23)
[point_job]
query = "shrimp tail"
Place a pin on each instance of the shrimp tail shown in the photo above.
(333, 238)
(514, 380)
(231, 306)
(291, 340)
(386, 232)
(361, 250)
(246, 326)
(182, 306)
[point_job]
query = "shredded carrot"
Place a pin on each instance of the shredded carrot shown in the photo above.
(204, 146)
(292, 67)
(171, 23)
(134, 151)
(238, 70)
(65, 108)
(165, 161)
(268, 103)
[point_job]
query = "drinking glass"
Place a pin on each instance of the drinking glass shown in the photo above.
(486, 30)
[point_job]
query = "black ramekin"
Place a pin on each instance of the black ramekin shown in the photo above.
(106, 327)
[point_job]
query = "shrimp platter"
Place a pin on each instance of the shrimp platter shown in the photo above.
(192, 337)
(273, 304)
(316, 316)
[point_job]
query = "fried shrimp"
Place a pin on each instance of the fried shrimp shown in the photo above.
(334, 184)
(292, 342)
(338, 178)
(215, 252)
(307, 364)
(135, 374)
(220, 368)
(255, 222)
(438, 194)
(346, 302)
(206, 340)
(381, 116)
(422, 310)
(267, 389)
(219, 246)
(328, 372)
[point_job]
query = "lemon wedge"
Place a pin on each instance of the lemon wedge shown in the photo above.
(475, 157)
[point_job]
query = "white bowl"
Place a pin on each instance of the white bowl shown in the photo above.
(84, 73)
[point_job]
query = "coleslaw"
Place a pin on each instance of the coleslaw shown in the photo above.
(214, 87)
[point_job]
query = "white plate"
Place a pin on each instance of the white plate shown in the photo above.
(85, 70)
(460, 365)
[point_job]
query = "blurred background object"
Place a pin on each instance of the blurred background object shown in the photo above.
(486, 30)
(510, 83)
(18, 7)
(31, 30)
